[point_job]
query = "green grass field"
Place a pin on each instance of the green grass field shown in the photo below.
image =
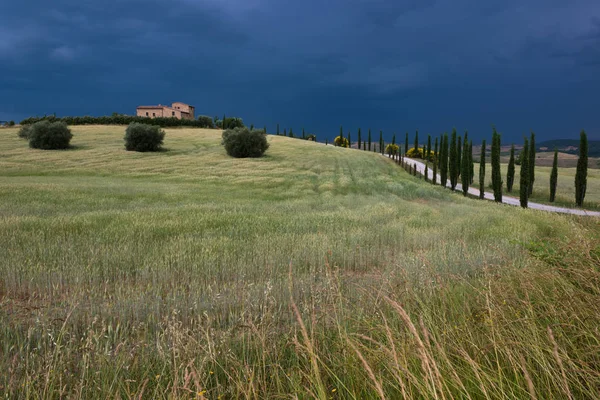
(311, 272)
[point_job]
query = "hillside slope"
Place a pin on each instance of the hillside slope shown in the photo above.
(314, 270)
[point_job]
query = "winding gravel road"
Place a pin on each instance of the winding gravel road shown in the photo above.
(513, 201)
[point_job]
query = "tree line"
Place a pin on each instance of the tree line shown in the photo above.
(452, 159)
(201, 121)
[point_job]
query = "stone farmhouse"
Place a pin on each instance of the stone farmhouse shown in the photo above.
(176, 110)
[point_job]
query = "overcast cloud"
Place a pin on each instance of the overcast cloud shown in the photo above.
(383, 64)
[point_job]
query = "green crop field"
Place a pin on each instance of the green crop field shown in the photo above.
(311, 272)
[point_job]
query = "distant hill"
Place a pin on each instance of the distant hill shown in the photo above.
(570, 146)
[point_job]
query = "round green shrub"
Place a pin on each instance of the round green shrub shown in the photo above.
(48, 135)
(242, 142)
(143, 137)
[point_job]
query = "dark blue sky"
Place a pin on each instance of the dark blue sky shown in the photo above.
(384, 64)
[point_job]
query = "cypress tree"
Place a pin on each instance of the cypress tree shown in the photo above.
(326, 142)
(291, 133)
(554, 176)
(435, 162)
(531, 162)
(415, 169)
(265, 129)
(277, 129)
(394, 139)
(284, 132)
(482, 171)
(359, 138)
(369, 139)
(459, 155)
(428, 147)
(510, 174)
(524, 183)
(349, 140)
(453, 159)
(438, 159)
(426, 173)
(381, 142)
(472, 161)
(444, 161)
(496, 174)
(364, 145)
(581, 174)
(521, 157)
(446, 156)
(303, 135)
(465, 166)
(417, 140)
(224, 123)
(406, 144)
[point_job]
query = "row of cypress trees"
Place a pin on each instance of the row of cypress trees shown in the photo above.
(453, 159)
(527, 173)
(369, 145)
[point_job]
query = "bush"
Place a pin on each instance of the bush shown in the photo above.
(311, 137)
(231, 123)
(418, 153)
(143, 137)
(47, 135)
(24, 131)
(11, 123)
(392, 149)
(243, 142)
(206, 122)
(340, 141)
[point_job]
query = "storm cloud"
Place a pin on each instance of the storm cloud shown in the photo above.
(387, 65)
